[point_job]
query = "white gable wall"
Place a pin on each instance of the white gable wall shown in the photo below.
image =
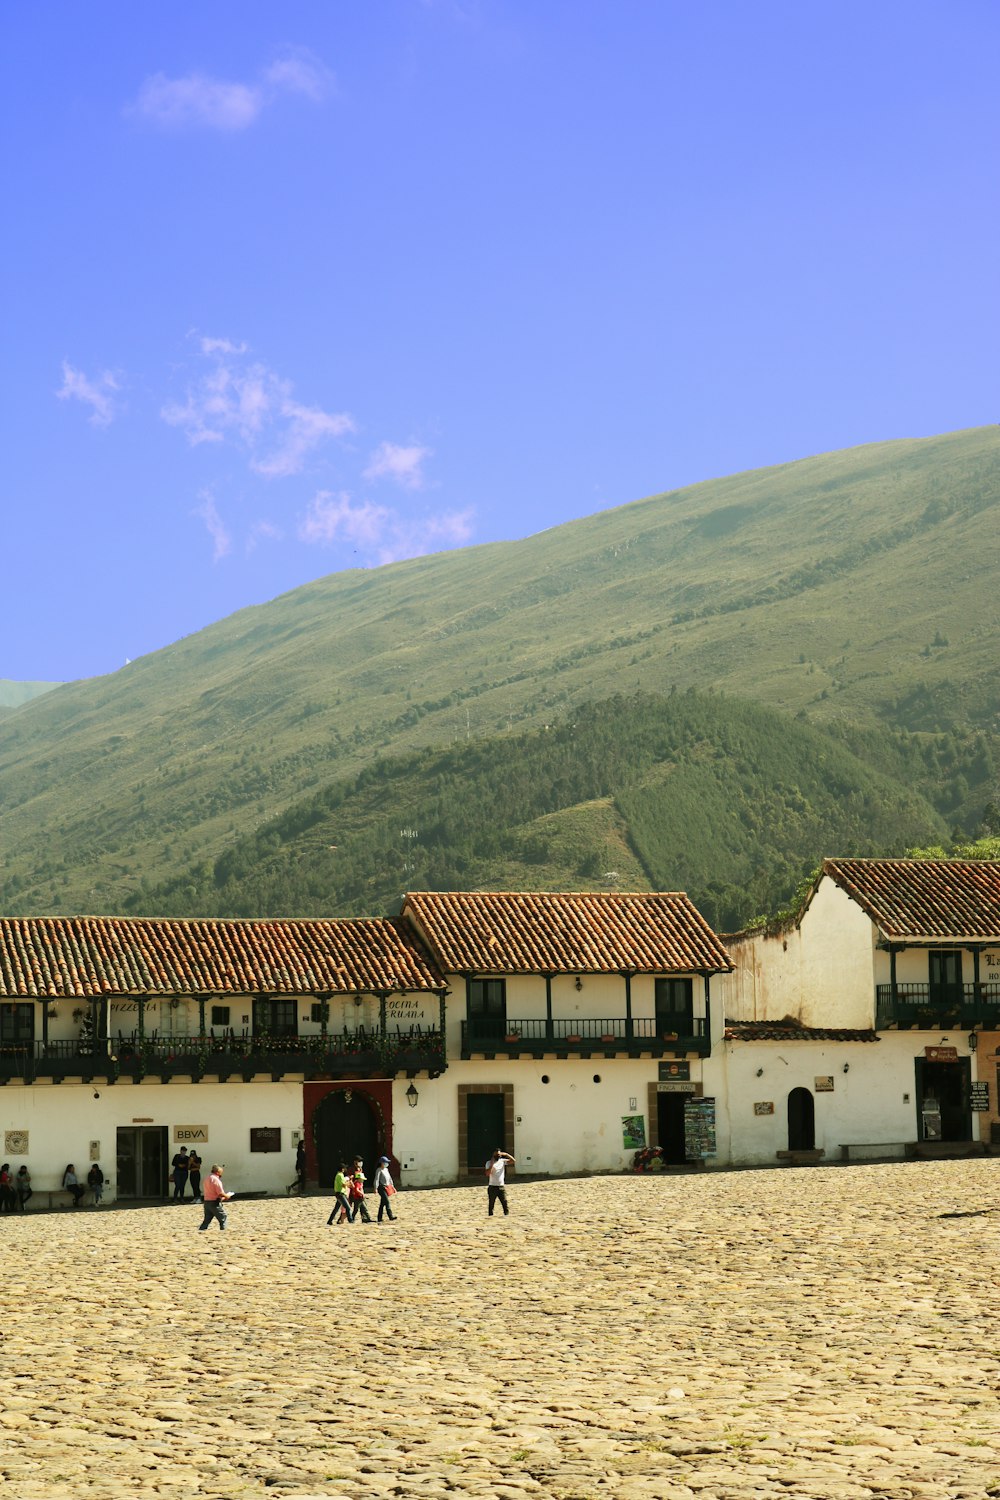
(820, 972)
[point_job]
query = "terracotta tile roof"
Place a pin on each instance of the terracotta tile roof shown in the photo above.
(783, 1031)
(510, 932)
(87, 956)
(924, 898)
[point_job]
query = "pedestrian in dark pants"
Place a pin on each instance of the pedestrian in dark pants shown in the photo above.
(194, 1175)
(495, 1169)
(357, 1193)
(385, 1189)
(340, 1203)
(299, 1185)
(180, 1166)
(216, 1198)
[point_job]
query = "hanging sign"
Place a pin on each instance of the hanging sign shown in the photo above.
(941, 1054)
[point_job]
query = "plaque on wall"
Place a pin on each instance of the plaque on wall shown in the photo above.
(765, 1107)
(668, 1070)
(823, 1085)
(265, 1138)
(15, 1142)
(980, 1098)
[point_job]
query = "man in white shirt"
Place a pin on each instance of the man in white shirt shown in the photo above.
(495, 1169)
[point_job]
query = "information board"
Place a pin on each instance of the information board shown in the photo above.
(981, 1098)
(699, 1129)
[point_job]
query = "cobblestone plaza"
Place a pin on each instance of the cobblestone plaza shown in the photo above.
(825, 1332)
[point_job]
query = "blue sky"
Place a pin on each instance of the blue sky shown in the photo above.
(290, 289)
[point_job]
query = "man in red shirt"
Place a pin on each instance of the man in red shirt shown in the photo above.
(215, 1197)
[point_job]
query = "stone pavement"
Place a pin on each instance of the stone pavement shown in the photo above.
(827, 1333)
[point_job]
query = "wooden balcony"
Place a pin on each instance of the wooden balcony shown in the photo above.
(927, 1007)
(620, 1036)
(346, 1055)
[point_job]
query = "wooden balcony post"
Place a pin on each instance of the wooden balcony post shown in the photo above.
(977, 988)
(548, 1007)
(629, 1024)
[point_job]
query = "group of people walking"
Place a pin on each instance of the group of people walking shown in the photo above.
(349, 1193)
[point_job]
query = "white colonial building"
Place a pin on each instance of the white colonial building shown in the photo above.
(868, 1025)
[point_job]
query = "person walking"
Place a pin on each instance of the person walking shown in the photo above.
(8, 1194)
(496, 1190)
(385, 1188)
(194, 1174)
(180, 1166)
(357, 1192)
(340, 1204)
(215, 1198)
(22, 1183)
(299, 1185)
(73, 1185)
(95, 1181)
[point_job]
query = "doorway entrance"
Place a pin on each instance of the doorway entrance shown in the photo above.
(944, 1099)
(484, 1129)
(670, 1128)
(801, 1120)
(345, 1126)
(143, 1167)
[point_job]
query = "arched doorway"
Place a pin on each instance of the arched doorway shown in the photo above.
(801, 1121)
(345, 1126)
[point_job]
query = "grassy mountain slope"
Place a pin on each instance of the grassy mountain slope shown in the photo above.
(855, 586)
(13, 694)
(726, 799)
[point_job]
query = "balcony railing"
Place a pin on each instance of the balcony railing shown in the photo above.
(494, 1036)
(344, 1055)
(929, 1006)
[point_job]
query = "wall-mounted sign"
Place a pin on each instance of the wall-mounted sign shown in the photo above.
(667, 1070)
(185, 1135)
(676, 1088)
(633, 1132)
(823, 1085)
(765, 1107)
(15, 1143)
(95, 1150)
(981, 1098)
(265, 1138)
(699, 1128)
(941, 1054)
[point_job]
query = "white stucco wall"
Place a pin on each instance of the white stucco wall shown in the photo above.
(570, 1124)
(821, 972)
(63, 1119)
(874, 1102)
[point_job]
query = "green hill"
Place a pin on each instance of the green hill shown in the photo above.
(855, 588)
(725, 799)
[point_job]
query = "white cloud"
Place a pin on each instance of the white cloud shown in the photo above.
(404, 465)
(300, 71)
(222, 542)
(263, 531)
(200, 101)
(332, 518)
(246, 400)
(306, 428)
(383, 535)
(97, 394)
(197, 100)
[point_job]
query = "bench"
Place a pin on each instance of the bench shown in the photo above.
(873, 1151)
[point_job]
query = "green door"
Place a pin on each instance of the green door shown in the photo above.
(484, 1129)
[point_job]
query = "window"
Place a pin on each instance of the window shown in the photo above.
(220, 1015)
(674, 1002)
(17, 1024)
(946, 978)
(486, 1001)
(275, 1017)
(316, 1013)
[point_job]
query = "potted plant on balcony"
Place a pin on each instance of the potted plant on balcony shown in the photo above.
(512, 1036)
(573, 1036)
(608, 1036)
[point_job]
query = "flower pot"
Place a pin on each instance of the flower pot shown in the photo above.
(573, 1038)
(513, 1036)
